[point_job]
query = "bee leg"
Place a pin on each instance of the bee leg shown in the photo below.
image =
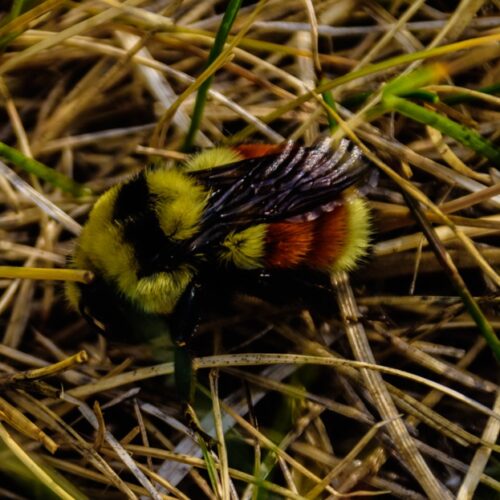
(184, 323)
(183, 373)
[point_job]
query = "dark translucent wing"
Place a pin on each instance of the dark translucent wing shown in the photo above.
(276, 187)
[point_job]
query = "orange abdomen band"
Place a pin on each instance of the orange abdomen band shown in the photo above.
(316, 244)
(330, 236)
(257, 150)
(288, 243)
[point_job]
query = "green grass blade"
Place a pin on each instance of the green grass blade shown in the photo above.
(410, 82)
(451, 271)
(330, 101)
(31, 475)
(493, 89)
(460, 133)
(358, 99)
(210, 463)
(422, 95)
(43, 172)
(201, 98)
(354, 75)
(18, 8)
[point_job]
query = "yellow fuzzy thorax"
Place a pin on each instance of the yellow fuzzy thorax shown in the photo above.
(180, 202)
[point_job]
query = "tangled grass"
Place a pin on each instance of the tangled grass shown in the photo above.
(394, 390)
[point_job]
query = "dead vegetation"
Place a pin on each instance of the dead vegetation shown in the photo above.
(395, 391)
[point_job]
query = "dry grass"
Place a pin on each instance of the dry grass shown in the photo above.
(394, 391)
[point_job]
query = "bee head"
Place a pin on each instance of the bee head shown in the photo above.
(112, 314)
(95, 302)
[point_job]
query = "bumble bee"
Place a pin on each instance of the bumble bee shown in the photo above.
(153, 241)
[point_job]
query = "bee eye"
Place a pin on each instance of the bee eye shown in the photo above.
(85, 312)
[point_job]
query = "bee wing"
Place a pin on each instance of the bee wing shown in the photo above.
(276, 187)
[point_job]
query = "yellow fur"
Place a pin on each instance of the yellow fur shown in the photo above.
(179, 204)
(102, 243)
(71, 289)
(211, 158)
(245, 249)
(160, 292)
(101, 248)
(358, 235)
(72, 293)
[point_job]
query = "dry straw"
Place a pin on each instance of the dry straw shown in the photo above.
(385, 384)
